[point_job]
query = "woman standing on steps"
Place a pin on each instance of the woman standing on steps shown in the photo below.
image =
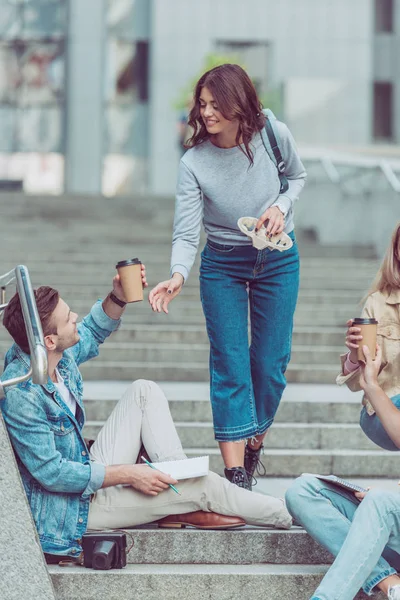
(227, 174)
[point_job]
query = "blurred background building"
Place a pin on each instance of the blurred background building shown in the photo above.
(92, 91)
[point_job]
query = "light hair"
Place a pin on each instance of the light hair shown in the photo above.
(387, 278)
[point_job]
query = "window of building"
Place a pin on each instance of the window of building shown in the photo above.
(383, 111)
(126, 96)
(32, 77)
(256, 58)
(384, 16)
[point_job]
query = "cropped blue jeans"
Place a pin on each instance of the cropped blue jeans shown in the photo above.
(247, 381)
(373, 428)
(363, 536)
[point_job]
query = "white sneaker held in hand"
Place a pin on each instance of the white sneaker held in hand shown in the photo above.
(260, 239)
(394, 592)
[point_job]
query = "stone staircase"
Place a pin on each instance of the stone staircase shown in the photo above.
(73, 245)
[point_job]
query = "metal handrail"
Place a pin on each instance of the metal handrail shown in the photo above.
(330, 160)
(38, 354)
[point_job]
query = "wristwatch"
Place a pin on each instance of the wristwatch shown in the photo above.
(116, 300)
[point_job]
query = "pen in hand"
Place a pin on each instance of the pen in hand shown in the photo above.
(153, 467)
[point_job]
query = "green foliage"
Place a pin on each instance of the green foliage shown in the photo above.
(271, 99)
(210, 61)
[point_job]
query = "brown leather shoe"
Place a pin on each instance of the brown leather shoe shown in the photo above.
(201, 520)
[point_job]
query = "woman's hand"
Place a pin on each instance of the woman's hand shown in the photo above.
(275, 221)
(361, 495)
(353, 338)
(370, 370)
(164, 292)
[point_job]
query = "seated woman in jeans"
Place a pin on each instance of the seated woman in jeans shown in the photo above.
(383, 304)
(363, 529)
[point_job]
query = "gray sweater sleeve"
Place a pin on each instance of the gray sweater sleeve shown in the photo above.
(295, 171)
(187, 222)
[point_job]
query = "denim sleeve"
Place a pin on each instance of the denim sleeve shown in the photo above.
(33, 441)
(93, 330)
(98, 472)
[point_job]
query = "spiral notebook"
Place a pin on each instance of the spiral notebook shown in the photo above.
(347, 485)
(185, 468)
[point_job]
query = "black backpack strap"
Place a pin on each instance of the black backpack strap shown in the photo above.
(272, 147)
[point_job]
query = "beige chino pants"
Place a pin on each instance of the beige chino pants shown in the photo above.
(142, 416)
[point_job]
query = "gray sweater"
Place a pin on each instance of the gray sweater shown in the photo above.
(217, 186)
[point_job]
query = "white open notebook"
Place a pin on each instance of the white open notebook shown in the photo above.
(185, 468)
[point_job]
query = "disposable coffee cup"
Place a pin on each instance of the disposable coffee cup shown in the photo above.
(130, 274)
(368, 331)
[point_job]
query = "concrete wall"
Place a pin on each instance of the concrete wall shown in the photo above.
(23, 572)
(387, 66)
(335, 212)
(321, 50)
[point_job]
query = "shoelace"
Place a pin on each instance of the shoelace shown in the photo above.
(239, 479)
(256, 464)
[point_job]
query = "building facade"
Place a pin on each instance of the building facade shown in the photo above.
(121, 68)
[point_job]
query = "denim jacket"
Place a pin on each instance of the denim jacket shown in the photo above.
(51, 453)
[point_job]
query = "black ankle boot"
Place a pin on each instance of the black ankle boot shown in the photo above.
(252, 463)
(238, 476)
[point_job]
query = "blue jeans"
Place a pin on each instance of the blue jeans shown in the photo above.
(364, 537)
(246, 384)
(373, 428)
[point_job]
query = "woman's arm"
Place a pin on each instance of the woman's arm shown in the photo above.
(187, 222)
(350, 368)
(186, 236)
(386, 411)
(295, 171)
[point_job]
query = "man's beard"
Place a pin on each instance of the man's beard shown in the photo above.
(64, 344)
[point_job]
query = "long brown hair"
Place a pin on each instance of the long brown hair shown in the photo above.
(236, 98)
(387, 279)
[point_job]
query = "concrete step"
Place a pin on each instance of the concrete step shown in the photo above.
(199, 411)
(96, 267)
(96, 257)
(196, 334)
(189, 295)
(197, 582)
(171, 371)
(301, 403)
(176, 333)
(305, 313)
(142, 314)
(199, 353)
(246, 545)
(309, 281)
(291, 463)
(92, 272)
(297, 436)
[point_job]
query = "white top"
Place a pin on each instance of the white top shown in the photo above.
(65, 394)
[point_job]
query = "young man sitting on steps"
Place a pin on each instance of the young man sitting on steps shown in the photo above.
(70, 488)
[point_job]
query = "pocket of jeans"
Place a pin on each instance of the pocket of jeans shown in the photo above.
(220, 248)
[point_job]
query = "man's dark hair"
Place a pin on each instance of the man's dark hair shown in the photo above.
(46, 301)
